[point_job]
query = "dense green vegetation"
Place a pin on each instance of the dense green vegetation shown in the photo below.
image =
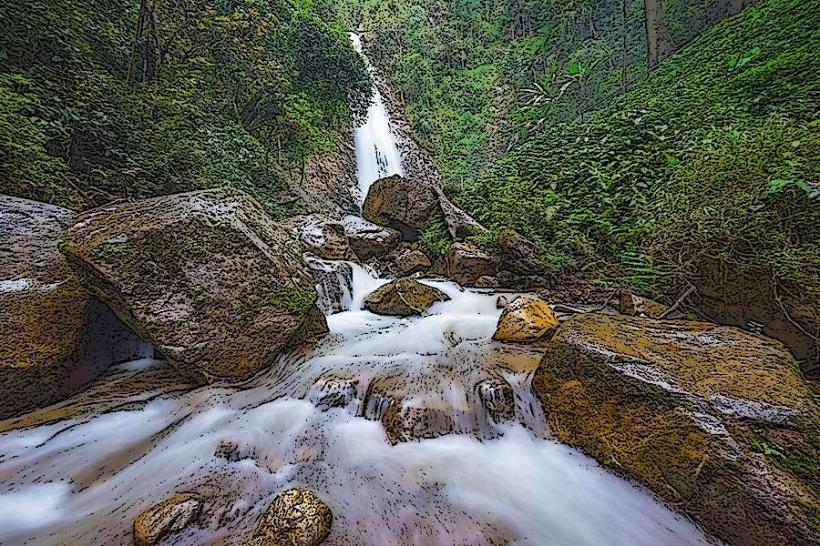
(477, 78)
(543, 117)
(713, 156)
(130, 98)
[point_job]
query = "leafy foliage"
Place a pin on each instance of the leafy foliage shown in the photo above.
(126, 98)
(713, 156)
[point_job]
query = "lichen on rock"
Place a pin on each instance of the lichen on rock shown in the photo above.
(403, 297)
(216, 286)
(525, 319)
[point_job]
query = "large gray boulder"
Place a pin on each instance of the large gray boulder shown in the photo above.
(216, 286)
(54, 336)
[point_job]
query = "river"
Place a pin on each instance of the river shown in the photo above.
(80, 473)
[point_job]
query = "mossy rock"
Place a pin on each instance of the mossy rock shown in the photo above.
(402, 204)
(668, 403)
(403, 297)
(207, 277)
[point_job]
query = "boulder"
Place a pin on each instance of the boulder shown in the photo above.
(404, 260)
(460, 224)
(466, 264)
(525, 319)
(409, 261)
(207, 277)
(321, 237)
(403, 297)
(636, 306)
(170, 516)
(401, 204)
(682, 406)
(517, 254)
(296, 517)
(54, 336)
(369, 240)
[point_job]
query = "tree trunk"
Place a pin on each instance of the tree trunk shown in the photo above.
(658, 40)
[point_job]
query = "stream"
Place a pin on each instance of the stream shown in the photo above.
(81, 472)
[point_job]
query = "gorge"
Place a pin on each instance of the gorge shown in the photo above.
(287, 358)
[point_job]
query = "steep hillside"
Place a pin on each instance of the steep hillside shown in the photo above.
(710, 164)
(135, 98)
(479, 78)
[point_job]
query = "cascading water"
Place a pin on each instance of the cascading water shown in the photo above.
(80, 472)
(377, 154)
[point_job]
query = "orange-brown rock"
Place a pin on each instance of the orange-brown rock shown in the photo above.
(525, 319)
(54, 336)
(216, 286)
(674, 405)
(296, 517)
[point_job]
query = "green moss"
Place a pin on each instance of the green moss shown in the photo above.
(295, 299)
(435, 240)
(798, 460)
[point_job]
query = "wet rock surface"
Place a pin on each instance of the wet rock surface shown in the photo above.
(403, 297)
(673, 404)
(54, 336)
(335, 283)
(216, 286)
(165, 518)
(369, 240)
(296, 517)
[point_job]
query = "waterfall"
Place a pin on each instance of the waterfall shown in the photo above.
(477, 465)
(377, 154)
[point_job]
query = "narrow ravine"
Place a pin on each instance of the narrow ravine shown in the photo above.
(314, 420)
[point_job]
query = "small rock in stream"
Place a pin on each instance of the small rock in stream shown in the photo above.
(169, 516)
(296, 517)
(525, 319)
(497, 397)
(334, 392)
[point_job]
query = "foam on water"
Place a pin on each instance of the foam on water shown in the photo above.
(85, 479)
